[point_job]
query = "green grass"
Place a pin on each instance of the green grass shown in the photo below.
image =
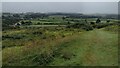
(112, 28)
(60, 46)
(92, 48)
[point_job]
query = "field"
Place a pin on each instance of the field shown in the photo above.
(59, 41)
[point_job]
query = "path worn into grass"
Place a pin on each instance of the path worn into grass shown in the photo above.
(93, 48)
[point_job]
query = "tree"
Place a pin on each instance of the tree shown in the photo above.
(22, 22)
(63, 18)
(85, 20)
(53, 18)
(68, 22)
(98, 20)
(92, 23)
(108, 21)
(28, 23)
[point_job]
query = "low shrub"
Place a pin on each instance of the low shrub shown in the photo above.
(42, 59)
(84, 26)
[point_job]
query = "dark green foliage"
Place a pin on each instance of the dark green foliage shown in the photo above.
(37, 33)
(35, 15)
(39, 23)
(42, 59)
(68, 22)
(18, 36)
(63, 18)
(44, 37)
(67, 55)
(81, 25)
(86, 21)
(28, 23)
(108, 21)
(22, 22)
(92, 23)
(63, 36)
(98, 20)
(101, 25)
(6, 23)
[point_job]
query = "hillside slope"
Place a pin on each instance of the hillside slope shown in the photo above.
(92, 48)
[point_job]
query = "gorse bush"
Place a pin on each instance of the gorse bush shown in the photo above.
(42, 59)
(67, 55)
(37, 33)
(17, 36)
(84, 26)
(101, 25)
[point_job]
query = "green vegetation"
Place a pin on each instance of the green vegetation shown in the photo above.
(59, 40)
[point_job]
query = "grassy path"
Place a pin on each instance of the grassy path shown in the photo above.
(93, 48)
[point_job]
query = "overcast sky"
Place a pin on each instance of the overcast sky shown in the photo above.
(70, 7)
(60, 0)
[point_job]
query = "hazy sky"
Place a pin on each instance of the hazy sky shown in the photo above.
(60, 0)
(73, 7)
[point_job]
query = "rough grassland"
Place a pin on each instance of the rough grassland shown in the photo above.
(91, 48)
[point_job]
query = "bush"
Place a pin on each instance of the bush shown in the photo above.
(84, 26)
(19, 36)
(98, 20)
(36, 32)
(67, 55)
(101, 25)
(63, 36)
(42, 59)
(39, 23)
